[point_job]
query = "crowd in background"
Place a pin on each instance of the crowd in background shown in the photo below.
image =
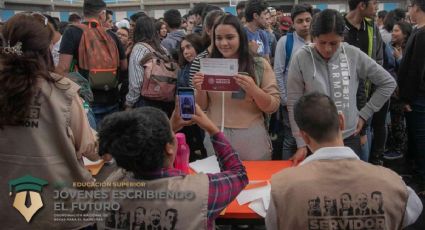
(369, 63)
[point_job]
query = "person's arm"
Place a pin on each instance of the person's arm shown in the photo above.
(201, 96)
(266, 97)
(135, 75)
(265, 39)
(82, 136)
(226, 185)
(223, 186)
(413, 208)
(194, 68)
(64, 64)
(379, 47)
(69, 44)
(384, 82)
(279, 68)
(271, 216)
(295, 90)
(121, 51)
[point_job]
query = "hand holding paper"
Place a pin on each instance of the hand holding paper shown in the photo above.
(219, 74)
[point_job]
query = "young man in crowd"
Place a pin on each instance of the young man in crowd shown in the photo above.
(197, 13)
(334, 172)
(286, 47)
(108, 24)
(74, 19)
(360, 31)
(173, 20)
(151, 162)
(105, 96)
(255, 14)
(411, 80)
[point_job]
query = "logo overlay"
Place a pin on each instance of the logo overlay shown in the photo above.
(27, 200)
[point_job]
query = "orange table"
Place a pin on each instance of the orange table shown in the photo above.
(256, 170)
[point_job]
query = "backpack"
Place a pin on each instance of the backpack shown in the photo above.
(289, 45)
(160, 76)
(259, 70)
(98, 54)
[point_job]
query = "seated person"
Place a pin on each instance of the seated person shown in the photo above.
(143, 143)
(335, 173)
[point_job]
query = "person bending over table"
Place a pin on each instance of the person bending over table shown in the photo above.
(143, 143)
(333, 187)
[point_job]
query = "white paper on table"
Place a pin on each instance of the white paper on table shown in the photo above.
(88, 162)
(207, 165)
(258, 207)
(219, 66)
(249, 195)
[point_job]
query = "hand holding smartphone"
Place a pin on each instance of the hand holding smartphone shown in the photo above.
(186, 102)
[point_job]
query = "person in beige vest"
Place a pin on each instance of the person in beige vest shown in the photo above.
(144, 146)
(333, 188)
(44, 131)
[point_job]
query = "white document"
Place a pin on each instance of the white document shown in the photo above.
(249, 195)
(258, 207)
(219, 66)
(88, 162)
(207, 165)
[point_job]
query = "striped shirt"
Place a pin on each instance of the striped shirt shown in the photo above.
(135, 73)
(196, 65)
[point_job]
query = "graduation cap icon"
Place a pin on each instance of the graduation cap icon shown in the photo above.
(27, 200)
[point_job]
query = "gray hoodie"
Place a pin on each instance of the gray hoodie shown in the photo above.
(172, 40)
(309, 72)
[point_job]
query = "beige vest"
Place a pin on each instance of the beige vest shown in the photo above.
(173, 203)
(339, 194)
(42, 148)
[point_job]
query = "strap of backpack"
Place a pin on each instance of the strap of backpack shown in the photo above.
(289, 45)
(259, 70)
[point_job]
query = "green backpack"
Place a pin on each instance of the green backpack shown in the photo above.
(259, 70)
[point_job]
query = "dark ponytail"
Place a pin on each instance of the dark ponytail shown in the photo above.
(21, 67)
(327, 21)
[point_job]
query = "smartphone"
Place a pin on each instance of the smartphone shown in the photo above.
(186, 102)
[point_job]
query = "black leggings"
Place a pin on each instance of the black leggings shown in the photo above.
(379, 129)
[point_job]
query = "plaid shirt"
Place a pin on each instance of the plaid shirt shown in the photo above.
(223, 186)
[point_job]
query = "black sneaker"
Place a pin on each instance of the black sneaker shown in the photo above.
(393, 155)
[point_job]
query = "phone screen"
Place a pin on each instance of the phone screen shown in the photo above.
(186, 102)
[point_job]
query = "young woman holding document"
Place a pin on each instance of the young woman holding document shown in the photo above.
(240, 115)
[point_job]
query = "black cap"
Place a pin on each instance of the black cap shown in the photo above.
(94, 4)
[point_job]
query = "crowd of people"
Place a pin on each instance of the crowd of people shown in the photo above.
(334, 93)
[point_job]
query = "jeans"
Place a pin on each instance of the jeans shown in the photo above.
(379, 129)
(364, 156)
(289, 144)
(354, 143)
(100, 111)
(416, 133)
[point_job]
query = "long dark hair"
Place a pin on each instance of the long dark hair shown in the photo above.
(209, 21)
(145, 31)
(196, 41)
(406, 29)
(327, 21)
(19, 72)
(246, 60)
(158, 26)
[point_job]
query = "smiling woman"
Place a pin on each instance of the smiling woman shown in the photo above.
(243, 110)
